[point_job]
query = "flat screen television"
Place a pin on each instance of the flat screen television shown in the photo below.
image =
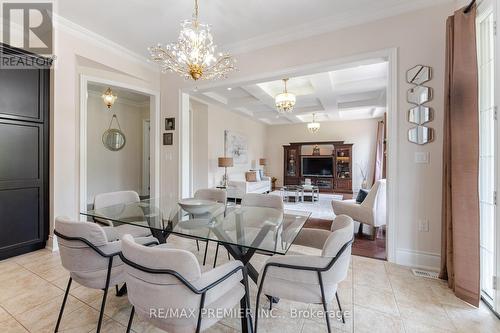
(317, 166)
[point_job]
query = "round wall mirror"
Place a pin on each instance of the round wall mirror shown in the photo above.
(113, 139)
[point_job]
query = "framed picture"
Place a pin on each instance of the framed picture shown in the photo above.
(169, 124)
(168, 139)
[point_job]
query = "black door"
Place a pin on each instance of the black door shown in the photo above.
(24, 156)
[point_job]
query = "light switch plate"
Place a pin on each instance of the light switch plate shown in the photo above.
(421, 157)
(423, 225)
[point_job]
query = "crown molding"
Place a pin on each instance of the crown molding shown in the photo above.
(84, 33)
(326, 25)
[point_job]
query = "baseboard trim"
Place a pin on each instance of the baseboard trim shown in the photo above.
(418, 259)
(52, 244)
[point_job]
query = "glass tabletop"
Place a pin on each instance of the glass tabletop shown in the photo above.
(264, 229)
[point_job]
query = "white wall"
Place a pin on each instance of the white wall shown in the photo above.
(107, 170)
(200, 152)
(419, 37)
(361, 133)
(78, 52)
(218, 120)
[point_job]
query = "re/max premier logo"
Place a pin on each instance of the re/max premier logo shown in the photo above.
(27, 26)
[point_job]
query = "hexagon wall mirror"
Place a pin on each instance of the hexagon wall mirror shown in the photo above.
(419, 95)
(420, 135)
(419, 74)
(420, 115)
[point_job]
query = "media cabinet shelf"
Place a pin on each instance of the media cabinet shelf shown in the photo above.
(341, 154)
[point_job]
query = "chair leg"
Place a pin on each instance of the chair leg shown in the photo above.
(324, 302)
(198, 245)
(205, 255)
(63, 305)
(216, 253)
(129, 326)
(374, 233)
(116, 289)
(246, 319)
(340, 308)
(360, 230)
(103, 304)
(202, 304)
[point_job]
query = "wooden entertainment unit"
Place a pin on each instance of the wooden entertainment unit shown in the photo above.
(338, 179)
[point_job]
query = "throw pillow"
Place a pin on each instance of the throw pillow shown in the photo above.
(251, 176)
(257, 175)
(361, 195)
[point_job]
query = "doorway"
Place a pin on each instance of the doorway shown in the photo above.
(389, 56)
(133, 166)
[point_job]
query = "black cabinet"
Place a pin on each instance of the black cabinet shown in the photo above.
(24, 158)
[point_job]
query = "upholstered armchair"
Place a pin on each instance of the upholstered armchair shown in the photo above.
(122, 198)
(91, 258)
(372, 211)
(163, 278)
(310, 279)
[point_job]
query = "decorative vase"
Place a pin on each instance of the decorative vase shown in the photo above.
(364, 184)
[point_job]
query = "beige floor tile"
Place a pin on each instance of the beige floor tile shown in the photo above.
(377, 279)
(367, 320)
(33, 256)
(30, 298)
(43, 317)
(375, 299)
(419, 327)
(4, 315)
(117, 308)
(86, 295)
(81, 321)
(468, 319)
(219, 328)
(111, 326)
(433, 314)
(12, 326)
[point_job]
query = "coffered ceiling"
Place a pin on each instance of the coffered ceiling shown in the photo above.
(237, 24)
(353, 92)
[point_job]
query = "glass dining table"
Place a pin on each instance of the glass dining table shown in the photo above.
(242, 230)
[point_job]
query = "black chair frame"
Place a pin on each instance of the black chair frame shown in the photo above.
(319, 270)
(197, 291)
(110, 256)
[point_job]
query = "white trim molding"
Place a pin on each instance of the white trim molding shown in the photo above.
(418, 259)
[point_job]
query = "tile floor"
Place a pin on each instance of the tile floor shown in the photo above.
(379, 296)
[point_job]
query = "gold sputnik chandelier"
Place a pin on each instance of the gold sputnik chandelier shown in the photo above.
(193, 55)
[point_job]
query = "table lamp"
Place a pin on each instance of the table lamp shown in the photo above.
(225, 162)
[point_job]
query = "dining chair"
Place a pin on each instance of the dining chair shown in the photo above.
(163, 278)
(108, 199)
(90, 257)
(310, 279)
(217, 195)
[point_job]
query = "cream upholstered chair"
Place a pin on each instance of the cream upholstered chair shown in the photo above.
(122, 198)
(310, 279)
(91, 258)
(372, 211)
(212, 194)
(163, 278)
(262, 200)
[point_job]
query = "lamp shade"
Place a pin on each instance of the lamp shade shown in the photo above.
(225, 162)
(262, 161)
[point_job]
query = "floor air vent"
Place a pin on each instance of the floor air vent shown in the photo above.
(425, 274)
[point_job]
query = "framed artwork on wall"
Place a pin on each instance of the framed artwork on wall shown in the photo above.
(169, 124)
(168, 139)
(236, 146)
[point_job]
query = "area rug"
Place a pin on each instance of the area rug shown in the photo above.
(321, 209)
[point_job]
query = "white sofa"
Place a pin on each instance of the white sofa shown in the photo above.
(238, 188)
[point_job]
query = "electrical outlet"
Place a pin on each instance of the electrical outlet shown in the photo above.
(423, 225)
